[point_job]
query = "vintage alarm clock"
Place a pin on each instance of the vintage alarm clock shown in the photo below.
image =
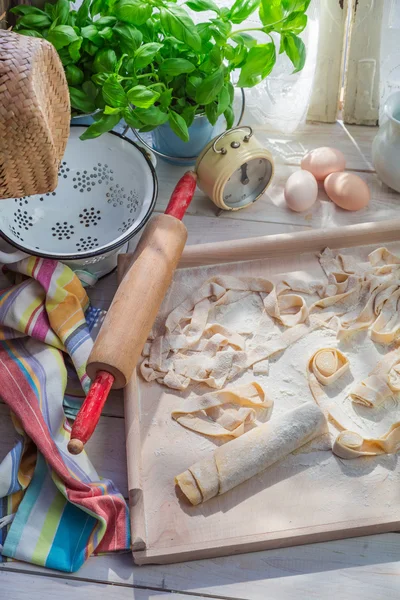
(234, 169)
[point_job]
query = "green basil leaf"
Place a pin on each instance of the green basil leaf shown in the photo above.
(145, 54)
(219, 37)
(229, 52)
(202, 5)
(165, 99)
(105, 22)
(192, 84)
(72, 21)
(106, 123)
(271, 12)
(90, 89)
(242, 9)
(178, 125)
(90, 33)
(104, 61)
(134, 12)
(224, 100)
(142, 97)
(97, 7)
(216, 56)
(61, 36)
(295, 49)
(175, 66)
(231, 91)
(82, 15)
(106, 33)
(130, 37)
(100, 78)
(74, 49)
(189, 113)
(210, 87)
(23, 9)
(296, 23)
(74, 75)
(259, 63)
(175, 21)
(65, 57)
(109, 110)
(30, 33)
(131, 118)
(229, 117)
(52, 26)
(32, 21)
(89, 48)
(80, 101)
(212, 112)
(61, 11)
(48, 9)
(240, 55)
(149, 32)
(203, 29)
(146, 128)
(282, 45)
(151, 116)
(99, 102)
(113, 93)
(245, 39)
(298, 5)
(225, 27)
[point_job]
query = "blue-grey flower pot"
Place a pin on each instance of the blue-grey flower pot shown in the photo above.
(82, 120)
(167, 142)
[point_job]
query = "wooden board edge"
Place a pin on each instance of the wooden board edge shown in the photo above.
(282, 244)
(273, 246)
(273, 541)
(133, 448)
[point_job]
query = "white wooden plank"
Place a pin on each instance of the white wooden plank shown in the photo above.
(22, 586)
(366, 567)
(324, 102)
(106, 448)
(361, 94)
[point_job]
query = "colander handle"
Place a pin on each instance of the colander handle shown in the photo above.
(7, 258)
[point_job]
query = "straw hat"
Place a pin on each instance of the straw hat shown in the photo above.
(34, 115)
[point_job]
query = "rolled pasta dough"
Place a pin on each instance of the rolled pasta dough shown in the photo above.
(246, 456)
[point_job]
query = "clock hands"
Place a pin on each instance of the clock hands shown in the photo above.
(243, 178)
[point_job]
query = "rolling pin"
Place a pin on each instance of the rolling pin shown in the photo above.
(134, 308)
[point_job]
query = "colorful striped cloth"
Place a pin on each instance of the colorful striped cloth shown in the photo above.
(55, 510)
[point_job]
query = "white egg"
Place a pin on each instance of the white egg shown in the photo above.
(301, 191)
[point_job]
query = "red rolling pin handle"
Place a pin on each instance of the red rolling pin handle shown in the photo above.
(182, 196)
(89, 414)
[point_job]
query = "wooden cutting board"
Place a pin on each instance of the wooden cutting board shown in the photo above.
(311, 495)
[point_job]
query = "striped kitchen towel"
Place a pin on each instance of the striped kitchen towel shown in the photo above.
(55, 510)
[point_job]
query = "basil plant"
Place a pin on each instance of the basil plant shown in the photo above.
(147, 62)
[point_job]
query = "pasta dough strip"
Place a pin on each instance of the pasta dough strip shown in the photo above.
(246, 456)
(351, 444)
(195, 413)
(328, 364)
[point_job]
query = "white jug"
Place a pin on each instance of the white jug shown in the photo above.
(386, 145)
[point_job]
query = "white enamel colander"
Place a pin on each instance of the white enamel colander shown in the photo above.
(107, 189)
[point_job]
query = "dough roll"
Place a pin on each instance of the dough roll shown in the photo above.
(238, 460)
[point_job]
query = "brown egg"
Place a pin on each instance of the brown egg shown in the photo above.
(321, 162)
(347, 190)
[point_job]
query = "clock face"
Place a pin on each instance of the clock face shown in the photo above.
(247, 183)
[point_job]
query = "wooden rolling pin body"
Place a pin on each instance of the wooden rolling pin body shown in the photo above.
(137, 301)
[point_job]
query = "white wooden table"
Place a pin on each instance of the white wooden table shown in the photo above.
(368, 567)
